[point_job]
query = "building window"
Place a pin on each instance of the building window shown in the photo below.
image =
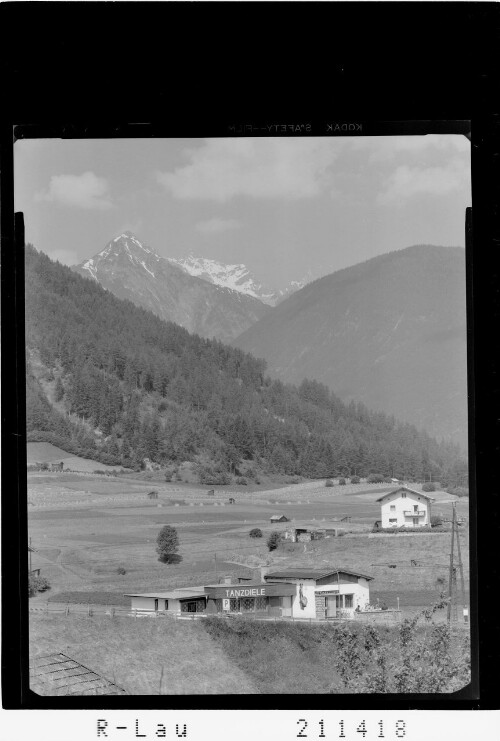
(166, 604)
(260, 603)
(247, 605)
(348, 600)
(393, 507)
(393, 520)
(403, 495)
(234, 605)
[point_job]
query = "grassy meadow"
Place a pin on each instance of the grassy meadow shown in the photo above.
(143, 656)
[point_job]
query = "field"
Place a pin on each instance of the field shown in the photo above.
(86, 527)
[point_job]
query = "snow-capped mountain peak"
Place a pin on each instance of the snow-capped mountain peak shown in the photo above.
(235, 276)
(124, 245)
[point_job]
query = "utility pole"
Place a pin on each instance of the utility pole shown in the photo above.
(30, 557)
(461, 569)
(216, 575)
(452, 584)
(451, 578)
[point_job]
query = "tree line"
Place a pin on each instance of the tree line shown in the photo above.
(130, 386)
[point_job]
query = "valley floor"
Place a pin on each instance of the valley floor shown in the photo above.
(94, 539)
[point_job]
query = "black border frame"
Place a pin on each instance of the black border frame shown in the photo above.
(438, 92)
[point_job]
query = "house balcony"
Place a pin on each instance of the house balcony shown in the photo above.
(411, 513)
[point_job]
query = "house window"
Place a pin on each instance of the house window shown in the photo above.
(166, 604)
(344, 601)
(393, 507)
(415, 507)
(403, 495)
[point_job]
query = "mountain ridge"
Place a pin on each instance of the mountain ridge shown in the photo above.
(383, 332)
(132, 271)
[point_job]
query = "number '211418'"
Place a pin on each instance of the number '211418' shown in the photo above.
(398, 730)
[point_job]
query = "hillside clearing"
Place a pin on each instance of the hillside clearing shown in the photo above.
(48, 453)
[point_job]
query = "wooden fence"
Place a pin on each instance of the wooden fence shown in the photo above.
(58, 608)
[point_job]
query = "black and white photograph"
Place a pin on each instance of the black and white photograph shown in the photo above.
(247, 414)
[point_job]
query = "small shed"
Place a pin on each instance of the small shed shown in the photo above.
(279, 518)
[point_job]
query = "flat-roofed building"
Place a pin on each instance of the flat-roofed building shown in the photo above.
(174, 601)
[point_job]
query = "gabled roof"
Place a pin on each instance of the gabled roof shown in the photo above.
(278, 517)
(311, 573)
(406, 488)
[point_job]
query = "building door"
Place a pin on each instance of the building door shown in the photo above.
(331, 606)
(415, 520)
(156, 605)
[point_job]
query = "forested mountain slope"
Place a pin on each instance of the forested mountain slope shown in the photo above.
(390, 332)
(125, 385)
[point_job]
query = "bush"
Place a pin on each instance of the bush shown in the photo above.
(168, 476)
(274, 540)
(255, 533)
(241, 481)
(37, 584)
(355, 480)
(436, 521)
(120, 570)
(342, 482)
(212, 475)
(328, 482)
(458, 491)
(428, 486)
(375, 478)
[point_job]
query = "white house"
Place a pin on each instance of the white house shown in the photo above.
(405, 507)
(324, 593)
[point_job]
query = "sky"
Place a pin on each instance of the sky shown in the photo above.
(283, 206)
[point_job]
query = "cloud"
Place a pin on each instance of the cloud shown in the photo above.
(222, 169)
(66, 257)
(384, 148)
(217, 226)
(82, 191)
(407, 181)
